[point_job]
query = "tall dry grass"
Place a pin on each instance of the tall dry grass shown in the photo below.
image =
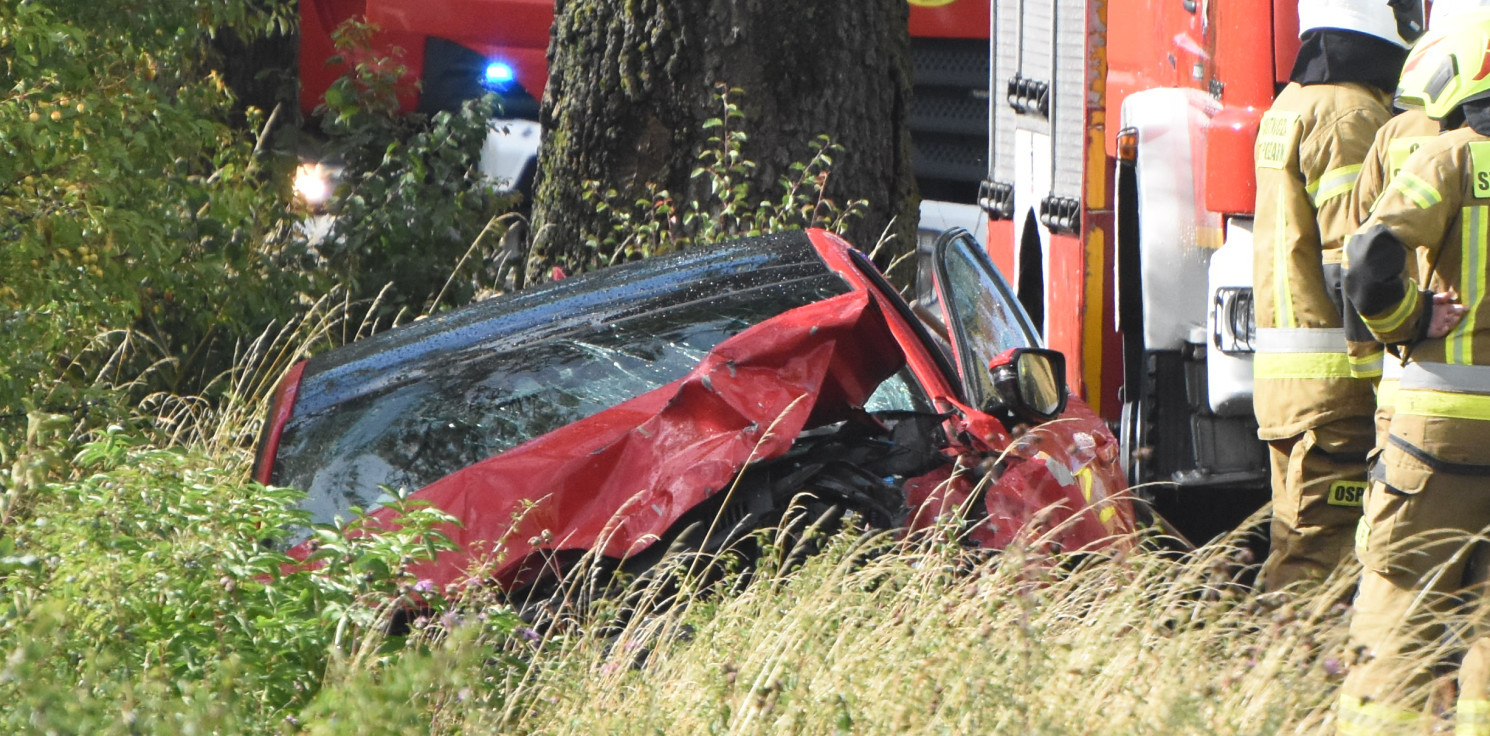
(878, 636)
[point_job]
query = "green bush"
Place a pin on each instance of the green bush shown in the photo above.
(149, 595)
(142, 236)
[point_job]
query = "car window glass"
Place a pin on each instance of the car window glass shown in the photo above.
(985, 318)
(899, 392)
(475, 403)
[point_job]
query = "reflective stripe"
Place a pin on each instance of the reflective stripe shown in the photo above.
(1300, 365)
(1357, 717)
(1333, 183)
(1394, 320)
(1443, 404)
(1366, 366)
(1300, 339)
(1386, 392)
(1459, 343)
(1473, 379)
(1472, 717)
(1308, 352)
(1416, 189)
(1282, 289)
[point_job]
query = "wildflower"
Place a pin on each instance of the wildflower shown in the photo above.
(1334, 667)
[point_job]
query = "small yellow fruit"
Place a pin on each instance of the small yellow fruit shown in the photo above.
(56, 114)
(81, 107)
(33, 117)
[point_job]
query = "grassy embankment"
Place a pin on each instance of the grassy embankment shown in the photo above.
(137, 599)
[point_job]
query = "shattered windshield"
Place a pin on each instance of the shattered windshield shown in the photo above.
(464, 406)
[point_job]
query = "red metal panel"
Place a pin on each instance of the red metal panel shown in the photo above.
(495, 22)
(1069, 490)
(280, 411)
(1141, 36)
(1230, 180)
(1240, 48)
(1001, 247)
(316, 23)
(949, 18)
(1286, 38)
(1241, 28)
(1229, 184)
(1065, 305)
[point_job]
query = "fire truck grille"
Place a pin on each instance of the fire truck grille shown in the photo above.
(949, 116)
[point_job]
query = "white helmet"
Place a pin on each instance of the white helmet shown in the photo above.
(1444, 11)
(1399, 21)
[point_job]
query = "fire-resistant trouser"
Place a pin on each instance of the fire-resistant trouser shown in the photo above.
(1319, 478)
(1421, 568)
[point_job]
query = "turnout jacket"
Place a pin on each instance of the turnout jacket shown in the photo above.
(1310, 148)
(1394, 142)
(1439, 202)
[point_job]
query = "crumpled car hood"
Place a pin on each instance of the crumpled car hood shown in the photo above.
(616, 481)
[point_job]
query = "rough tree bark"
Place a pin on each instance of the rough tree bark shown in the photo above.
(632, 82)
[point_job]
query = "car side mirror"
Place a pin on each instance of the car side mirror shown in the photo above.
(1029, 385)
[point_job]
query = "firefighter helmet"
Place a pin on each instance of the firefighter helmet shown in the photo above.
(1449, 67)
(1399, 21)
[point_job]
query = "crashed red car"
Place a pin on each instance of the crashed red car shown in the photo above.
(620, 411)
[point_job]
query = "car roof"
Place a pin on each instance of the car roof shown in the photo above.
(595, 298)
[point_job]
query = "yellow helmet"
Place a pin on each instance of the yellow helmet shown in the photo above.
(1448, 67)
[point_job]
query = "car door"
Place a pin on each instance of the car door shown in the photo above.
(1066, 470)
(983, 317)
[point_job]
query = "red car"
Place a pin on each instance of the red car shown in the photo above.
(611, 411)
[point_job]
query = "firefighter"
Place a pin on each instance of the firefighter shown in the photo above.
(1369, 359)
(1314, 415)
(1398, 138)
(1430, 492)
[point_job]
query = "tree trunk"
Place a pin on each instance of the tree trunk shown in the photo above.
(631, 85)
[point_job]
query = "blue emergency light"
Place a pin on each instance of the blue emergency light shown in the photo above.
(498, 74)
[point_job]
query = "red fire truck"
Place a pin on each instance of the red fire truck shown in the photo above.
(453, 49)
(1120, 194)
